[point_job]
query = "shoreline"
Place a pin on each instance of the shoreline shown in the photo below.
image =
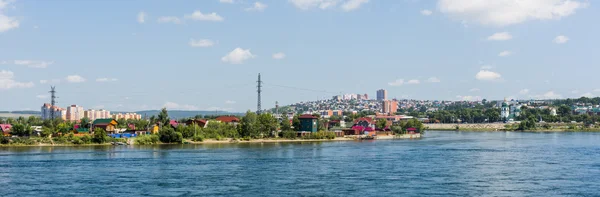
(224, 141)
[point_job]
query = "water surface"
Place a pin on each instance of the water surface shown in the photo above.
(444, 163)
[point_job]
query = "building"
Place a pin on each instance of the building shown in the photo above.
(5, 129)
(228, 119)
(309, 123)
(74, 113)
(47, 109)
(96, 114)
(381, 95)
(505, 111)
(127, 116)
(200, 122)
(389, 107)
(109, 124)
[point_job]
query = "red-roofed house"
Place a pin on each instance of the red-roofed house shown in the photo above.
(5, 128)
(364, 122)
(228, 119)
(173, 123)
(201, 123)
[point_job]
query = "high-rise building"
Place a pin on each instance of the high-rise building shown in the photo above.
(58, 112)
(390, 107)
(127, 116)
(75, 113)
(97, 114)
(381, 95)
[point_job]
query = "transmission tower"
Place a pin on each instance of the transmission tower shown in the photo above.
(258, 107)
(52, 101)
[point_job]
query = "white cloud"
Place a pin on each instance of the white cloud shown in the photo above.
(413, 81)
(474, 90)
(199, 16)
(279, 56)
(141, 17)
(201, 43)
(508, 12)
(353, 4)
(500, 36)
(346, 5)
(398, 82)
(177, 106)
(486, 75)
(7, 81)
(575, 92)
(561, 39)
(226, 1)
(588, 95)
(43, 81)
(106, 80)
(433, 80)
(257, 6)
(524, 91)
(230, 102)
(169, 19)
(505, 53)
(548, 95)
(237, 56)
(42, 96)
(308, 4)
(6, 22)
(75, 79)
(426, 12)
(33, 63)
(597, 90)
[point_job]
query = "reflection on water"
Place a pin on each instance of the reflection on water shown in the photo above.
(442, 163)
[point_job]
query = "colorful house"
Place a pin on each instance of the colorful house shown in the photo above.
(109, 125)
(309, 123)
(81, 132)
(154, 129)
(201, 123)
(5, 128)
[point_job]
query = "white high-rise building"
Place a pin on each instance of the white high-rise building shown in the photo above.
(47, 109)
(75, 113)
(97, 114)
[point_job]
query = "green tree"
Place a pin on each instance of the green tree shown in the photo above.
(248, 126)
(380, 123)
(85, 122)
(564, 110)
(285, 123)
(163, 117)
(21, 130)
(168, 135)
(100, 136)
(296, 123)
(266, 124)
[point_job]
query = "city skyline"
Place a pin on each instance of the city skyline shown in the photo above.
(206, 55)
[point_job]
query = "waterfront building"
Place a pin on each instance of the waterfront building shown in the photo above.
(381, 95)
(109, 124)
(127, 116)
(308, 123)
(390, 107)
(74, 113)
(505, 110)
(228, 119)
(5, 129)
(46, 111)
(96, 114)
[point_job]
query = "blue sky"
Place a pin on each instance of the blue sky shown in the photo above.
(205, 55)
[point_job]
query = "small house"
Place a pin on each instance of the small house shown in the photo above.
(309, 123)
(109, 125)
(5, 128)
(201, 123)
(228, 119)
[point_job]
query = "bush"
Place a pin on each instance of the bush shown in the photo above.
(4, 140)
(168, 135)
(100, 136)
(147, 139)
(198, 138)
(289, 134)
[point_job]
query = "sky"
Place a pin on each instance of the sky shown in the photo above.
(206, 55)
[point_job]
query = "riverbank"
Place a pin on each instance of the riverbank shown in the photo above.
(486, 127)
(131, 141)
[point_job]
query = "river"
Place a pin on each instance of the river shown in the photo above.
(443, 163)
